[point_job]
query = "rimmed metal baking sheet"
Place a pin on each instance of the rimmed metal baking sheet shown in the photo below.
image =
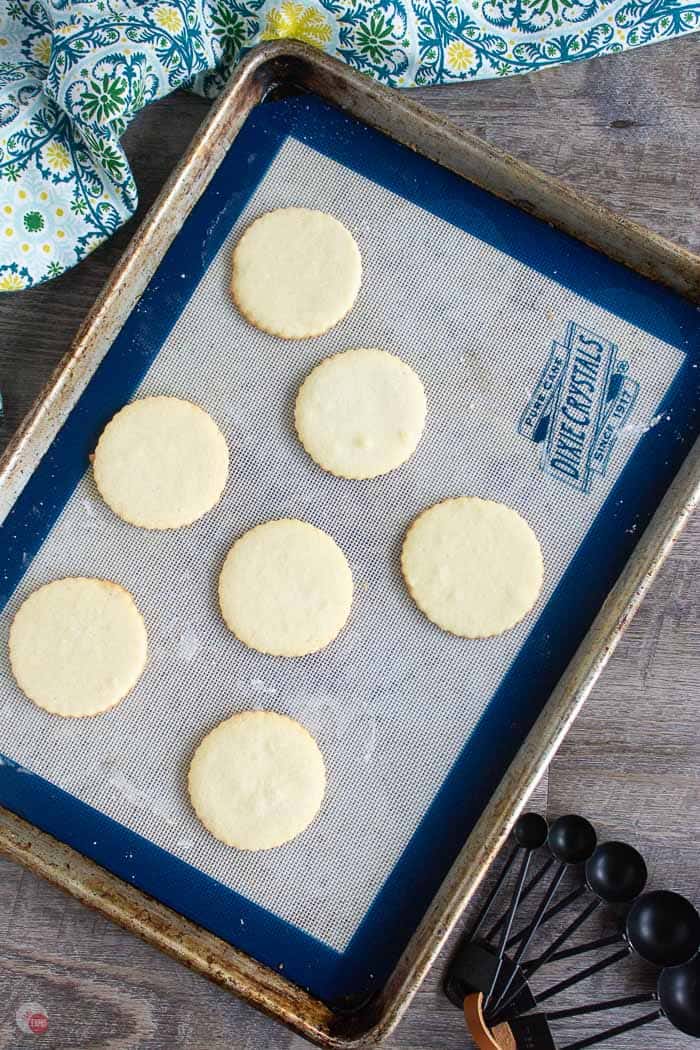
(595, 329)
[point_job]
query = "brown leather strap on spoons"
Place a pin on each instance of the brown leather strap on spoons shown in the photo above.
(500, 1038)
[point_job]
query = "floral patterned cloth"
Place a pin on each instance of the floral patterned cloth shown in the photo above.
(73, 73)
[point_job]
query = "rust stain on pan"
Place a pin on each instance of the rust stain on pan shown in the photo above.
(160, 926)
(293, 64)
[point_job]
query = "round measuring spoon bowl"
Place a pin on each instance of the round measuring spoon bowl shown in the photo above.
(572, 839)
(530, 831)
(678, 990)
(616, 873)
(663, 928)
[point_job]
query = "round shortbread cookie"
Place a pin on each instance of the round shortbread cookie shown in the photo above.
(77, 646)
(257, 780)
(161, 463)
(296, 272)
(285, 588)
(473, 566)
(361, 413)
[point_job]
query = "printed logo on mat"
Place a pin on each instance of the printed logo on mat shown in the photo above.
(583, 398)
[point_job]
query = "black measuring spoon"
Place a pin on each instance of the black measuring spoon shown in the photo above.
(475, 961)
(677, 993)
(571, 841)
(616, 874)
(662, 928)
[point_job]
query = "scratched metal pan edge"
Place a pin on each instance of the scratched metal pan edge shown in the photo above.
(287, 63)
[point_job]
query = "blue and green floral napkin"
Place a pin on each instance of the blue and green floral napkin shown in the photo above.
(73, 73)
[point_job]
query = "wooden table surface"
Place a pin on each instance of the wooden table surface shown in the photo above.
(626, 130)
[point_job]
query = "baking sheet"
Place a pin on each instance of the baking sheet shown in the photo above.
(537, 395)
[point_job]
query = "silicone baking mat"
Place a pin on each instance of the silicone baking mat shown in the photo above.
(556, 381)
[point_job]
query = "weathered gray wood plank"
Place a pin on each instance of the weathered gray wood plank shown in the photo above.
(625, 129)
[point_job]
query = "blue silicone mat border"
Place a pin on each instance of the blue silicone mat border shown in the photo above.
(345, 978)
